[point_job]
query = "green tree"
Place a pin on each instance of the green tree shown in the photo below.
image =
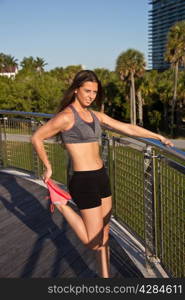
(155, 118)
(57, 72)
(10, 62)
(2, 61)
(175, 55)
(129, 65)
(146, 91)
(70, 72)
(180, 112)
(104, 77)
(114, 103)
(40, 64)
(46, 93)
(164, 83)
(7, 62)
(28, 64)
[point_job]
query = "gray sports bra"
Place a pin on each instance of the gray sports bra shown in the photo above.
(82, 131)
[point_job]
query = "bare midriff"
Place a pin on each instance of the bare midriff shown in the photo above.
(85, 156)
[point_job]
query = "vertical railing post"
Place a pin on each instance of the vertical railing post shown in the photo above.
(105, 150)
(35, 166)
(149, 206)
(114, 175)
(160, 250)
(108, 153)
(69, 170)
(3, 143)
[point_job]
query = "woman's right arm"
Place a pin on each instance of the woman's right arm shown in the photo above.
(51, 128)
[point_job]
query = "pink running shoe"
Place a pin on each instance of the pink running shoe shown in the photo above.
(57, 195)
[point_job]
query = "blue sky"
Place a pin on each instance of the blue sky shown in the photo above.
(72, 32)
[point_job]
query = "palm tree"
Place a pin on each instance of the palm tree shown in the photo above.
(129, 65)
(104, 76)
(10, 63)
(28, 63)
(140, 100)
(2, 61)
(165, 92)
(32, 64)
(181, 100)
(7, 63)
(175, 55)
(40, 64)
(146, 90)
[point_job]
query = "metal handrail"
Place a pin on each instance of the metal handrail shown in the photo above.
(153, 142)
(170, 150)
(24, 113)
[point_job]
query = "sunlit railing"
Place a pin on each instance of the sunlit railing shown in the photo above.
(147, 178)
(148, 182)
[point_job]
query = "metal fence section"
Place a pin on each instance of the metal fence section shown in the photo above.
(149, 203)
(17, 151)
(147, 179)
(128, 185)
(171, 232)
(148, 183)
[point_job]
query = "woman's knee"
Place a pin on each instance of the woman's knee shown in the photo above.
(100, 241)
(96, 242)
(95, 247)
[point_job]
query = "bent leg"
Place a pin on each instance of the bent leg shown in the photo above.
(75, 221)
(88, 227)
(92, 228)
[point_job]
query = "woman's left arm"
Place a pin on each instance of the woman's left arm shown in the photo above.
(132, 130)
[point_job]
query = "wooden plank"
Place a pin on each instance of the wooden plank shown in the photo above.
(43, 259)
(35, 243)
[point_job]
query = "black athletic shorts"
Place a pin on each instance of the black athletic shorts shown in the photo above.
(88, 187)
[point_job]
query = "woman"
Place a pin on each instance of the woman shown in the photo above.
(89, 186)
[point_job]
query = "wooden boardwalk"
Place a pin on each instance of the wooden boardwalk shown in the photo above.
(37, 244)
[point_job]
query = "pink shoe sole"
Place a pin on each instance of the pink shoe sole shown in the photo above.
(57, 195)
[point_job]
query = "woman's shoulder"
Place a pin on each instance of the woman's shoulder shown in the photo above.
(66, 114)
(64, 117)
(68, 111)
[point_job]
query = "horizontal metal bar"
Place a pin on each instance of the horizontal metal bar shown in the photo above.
(23, 113)
(170, 150)
(174, 165)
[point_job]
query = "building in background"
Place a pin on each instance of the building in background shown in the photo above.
(162, 16)
(10, 71)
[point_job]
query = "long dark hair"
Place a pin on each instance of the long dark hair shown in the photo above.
(79, 79)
